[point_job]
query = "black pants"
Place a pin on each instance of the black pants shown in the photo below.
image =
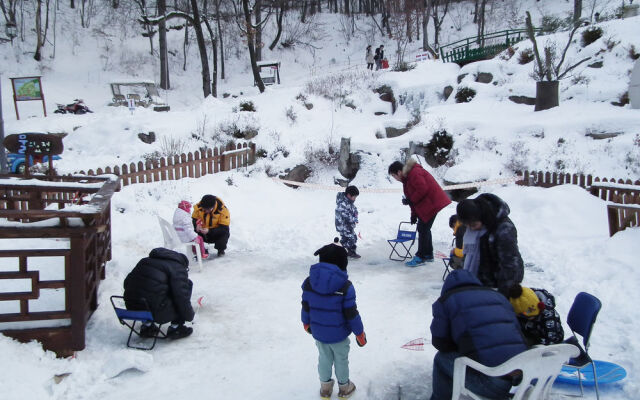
(218, 236)
(425, 244)
(370, 66)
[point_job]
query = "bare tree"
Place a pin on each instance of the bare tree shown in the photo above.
(577, 11)
(439, 9)
(149, 31)
(280, 11)
(481, 21)
(250, 34)
(9, 11)
(162, 46)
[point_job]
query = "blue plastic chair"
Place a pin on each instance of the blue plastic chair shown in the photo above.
(402, 238)
(581, 318)
(129, 318)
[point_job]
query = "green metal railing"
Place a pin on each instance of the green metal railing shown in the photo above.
(482, 47)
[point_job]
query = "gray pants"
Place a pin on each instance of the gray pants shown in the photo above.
(333, 354)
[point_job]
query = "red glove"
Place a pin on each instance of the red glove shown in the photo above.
(307, 328)
(361, 339)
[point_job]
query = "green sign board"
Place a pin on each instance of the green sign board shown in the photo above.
(27, 88)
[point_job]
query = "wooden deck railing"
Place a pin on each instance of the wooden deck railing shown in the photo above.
(55, 258)
(625, 194)
(190, 165)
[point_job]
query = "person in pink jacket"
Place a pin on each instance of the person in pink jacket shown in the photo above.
(426, 198)
(184, 227)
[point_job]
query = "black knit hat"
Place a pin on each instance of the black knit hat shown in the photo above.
(469, 211)
(208, 201)
(333, 254)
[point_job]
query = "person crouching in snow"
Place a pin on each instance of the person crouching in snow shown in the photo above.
(184, 228)
(330, 314)
(346, 219)
(537, 315)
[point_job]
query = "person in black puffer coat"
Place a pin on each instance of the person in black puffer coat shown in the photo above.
(161, 281)
(491, 242)
(476, 322)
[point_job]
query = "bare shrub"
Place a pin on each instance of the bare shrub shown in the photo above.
(519, 157)
(633, 54)
(327, 156)
(171, 146)
(340, 85)
(525, 56)
(291, 115)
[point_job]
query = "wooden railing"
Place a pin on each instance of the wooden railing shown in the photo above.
(190, 165)
(53, 259)
(625, 194)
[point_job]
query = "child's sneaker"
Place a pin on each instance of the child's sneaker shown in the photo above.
(346, 390)
(416, 261)
(326, 389)
(352, 254)
(205, 255)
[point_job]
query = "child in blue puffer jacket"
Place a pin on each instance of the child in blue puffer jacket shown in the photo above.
(330, 314)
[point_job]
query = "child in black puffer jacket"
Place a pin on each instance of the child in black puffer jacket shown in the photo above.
(537, 315)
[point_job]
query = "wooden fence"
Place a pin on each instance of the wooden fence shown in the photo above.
(51, 271)
(190, 165)
(624, 194)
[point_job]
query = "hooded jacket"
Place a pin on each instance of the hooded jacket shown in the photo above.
(346, 213)
(425, 195)
(183, 225)
(329, 304)
(475, 321)
(501, 264)
(162, 281)
(218, 216)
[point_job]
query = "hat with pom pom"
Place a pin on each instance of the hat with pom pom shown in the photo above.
(527, 304)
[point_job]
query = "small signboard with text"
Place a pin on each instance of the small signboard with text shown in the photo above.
(34, 145)
(27, 89)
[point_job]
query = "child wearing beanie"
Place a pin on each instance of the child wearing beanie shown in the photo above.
(538, 318)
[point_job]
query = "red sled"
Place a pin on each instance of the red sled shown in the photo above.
(385, 63)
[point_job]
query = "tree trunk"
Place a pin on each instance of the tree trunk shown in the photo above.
(257, 8)
(115, 4)
(577, 11)
(346, 7)
(475, 11)
(481, 22)
(279, 16)
(214, 49)
(184, 46)
(206, 75)
(546, 95)
(303, 13)
(217, 3)
(72, 4)
(162, 44)
(250, 45)
(37, 56)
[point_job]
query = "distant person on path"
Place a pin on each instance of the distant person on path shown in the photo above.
(211, 219)
(161, 281)
(472, 321)
(537, 315)
(491, 243)
(379, 56)
(426, 198)
(369, 58)
(347, 218)
(330, 314)
(185, 230)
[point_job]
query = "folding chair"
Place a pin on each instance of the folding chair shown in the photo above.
(129, 318)
(539, 366)
(172, 242)
(581, 318)
(403, 237)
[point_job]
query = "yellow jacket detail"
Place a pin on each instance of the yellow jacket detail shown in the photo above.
(216, 217)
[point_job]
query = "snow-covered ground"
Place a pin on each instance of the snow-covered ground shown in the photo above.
(248, 341)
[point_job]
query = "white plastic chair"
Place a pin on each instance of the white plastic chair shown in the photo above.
(540, 366)
(171, 241)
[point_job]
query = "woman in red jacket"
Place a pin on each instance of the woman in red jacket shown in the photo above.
(426, 198)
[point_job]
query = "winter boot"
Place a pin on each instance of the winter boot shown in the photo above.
(345, 391)
(149, 330)
(179, 332)
(326, 389)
